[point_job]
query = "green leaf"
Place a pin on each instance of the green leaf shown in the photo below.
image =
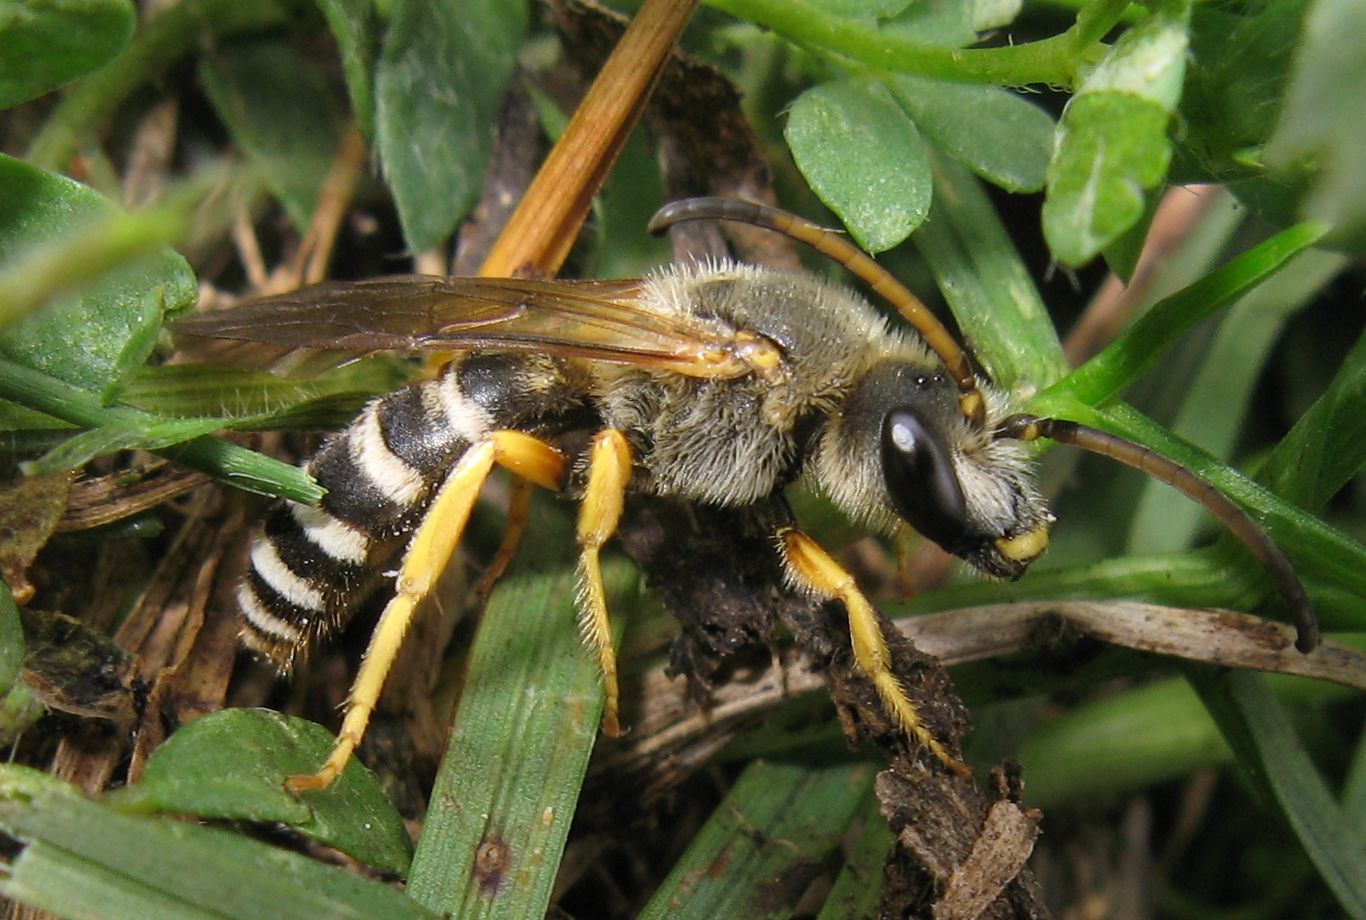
(1108, 747)
(83, 859)
(864, 158)
(1327, 446)
(855, 892)
(987, 285)
(80, 449)
(1111, 147)
(1238, 68)
(279, 109)
(1139, 348)
(11, 640)
(1220, 397)
(45, 44)
(249, 400)
(232, 765)
(778, 822)
(527, 722)
(174, 32)
(353, 26)
(871, 9)
(237, 466)
(1322, 127)
(1274, 760)
(439, 86)
(996, 133)
(93, 338)
(1112, 141)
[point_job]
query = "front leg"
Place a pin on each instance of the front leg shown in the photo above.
(814, 570)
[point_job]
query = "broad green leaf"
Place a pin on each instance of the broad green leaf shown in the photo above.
(1122, 255)
(1237, 73)
(864, 158)
(1112, 141)
(95, 337)
(279, 109)
(83, 859)
(172, 33)
(439, 86)
(352, 23)
(998, 134)
(779, 821)
(1322, 127)
(1111, 147)
(232, 765)
(45, 44)
(871, 9)
(950, 24)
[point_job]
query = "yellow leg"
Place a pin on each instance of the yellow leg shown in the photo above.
(816, 571)
(428, 552)
(519, 509)
(609, 472)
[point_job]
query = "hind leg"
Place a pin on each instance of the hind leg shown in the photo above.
(425, 559)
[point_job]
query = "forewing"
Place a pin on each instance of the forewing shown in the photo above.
(599, 320)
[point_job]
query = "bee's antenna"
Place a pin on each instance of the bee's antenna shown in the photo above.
(831, 244)
(1262, 547)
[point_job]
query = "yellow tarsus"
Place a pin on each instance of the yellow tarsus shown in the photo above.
(817, 571)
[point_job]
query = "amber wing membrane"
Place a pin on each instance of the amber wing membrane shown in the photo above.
(598, 320)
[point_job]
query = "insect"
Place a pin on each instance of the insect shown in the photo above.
(718, 383)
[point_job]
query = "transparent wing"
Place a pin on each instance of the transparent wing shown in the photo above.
(598, 320)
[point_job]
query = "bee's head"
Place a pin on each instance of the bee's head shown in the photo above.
(902, 444)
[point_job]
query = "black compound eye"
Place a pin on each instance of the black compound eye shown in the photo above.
(921, 481)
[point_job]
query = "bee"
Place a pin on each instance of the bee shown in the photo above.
(717, 383)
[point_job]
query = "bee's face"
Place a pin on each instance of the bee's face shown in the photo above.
(903, 446)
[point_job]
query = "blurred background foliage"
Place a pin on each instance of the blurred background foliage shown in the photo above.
(1008, 160)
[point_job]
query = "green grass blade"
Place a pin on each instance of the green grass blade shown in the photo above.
(84, 859)
(763, 844)
(1258, 729)
(527, 722)
(1327, 446)
(1220, 397)
(986, 283)
(1138, 349)
(237, 466)
(858, 889)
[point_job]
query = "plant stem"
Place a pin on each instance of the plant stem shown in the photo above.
(1054, 61)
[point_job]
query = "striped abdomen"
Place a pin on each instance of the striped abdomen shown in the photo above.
(312, 565)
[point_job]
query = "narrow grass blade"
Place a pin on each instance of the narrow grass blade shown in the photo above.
(858, 887)
(83, 859)
(986, 283)
(237, 466)
(1138, 349)
(1258, 729)
(526, 724)
(763, 845)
